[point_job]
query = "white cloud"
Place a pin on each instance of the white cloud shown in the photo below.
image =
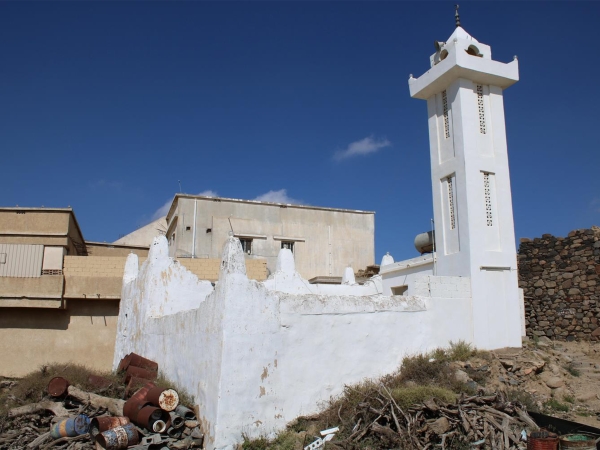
(164, 209)
(279, 196)
(208, 193)
(363, 147)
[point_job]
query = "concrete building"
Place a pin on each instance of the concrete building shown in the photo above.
(59, 294)
(324, 241)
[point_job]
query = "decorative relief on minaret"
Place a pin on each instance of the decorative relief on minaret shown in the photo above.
(451, 203)
(482, 129)
(446, 122)
(488, 199)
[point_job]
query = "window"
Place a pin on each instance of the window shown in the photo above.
(188, 228)
(2, 258)
(246, 245)
(288, 244)
(399, 290)
(445, 112)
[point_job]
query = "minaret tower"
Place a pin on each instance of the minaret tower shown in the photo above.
(474, 228)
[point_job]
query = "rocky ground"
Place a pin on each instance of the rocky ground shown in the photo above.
(561, 379)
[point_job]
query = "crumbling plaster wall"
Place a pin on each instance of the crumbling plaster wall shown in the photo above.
(256, 355)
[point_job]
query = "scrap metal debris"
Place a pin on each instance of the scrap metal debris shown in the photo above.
(73, 419)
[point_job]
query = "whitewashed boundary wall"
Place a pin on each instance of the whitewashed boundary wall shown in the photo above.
(255, 355)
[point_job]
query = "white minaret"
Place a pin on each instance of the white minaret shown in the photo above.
(471, 186)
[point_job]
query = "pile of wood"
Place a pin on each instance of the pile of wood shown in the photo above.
(472, 422)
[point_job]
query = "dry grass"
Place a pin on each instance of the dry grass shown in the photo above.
(32, 387)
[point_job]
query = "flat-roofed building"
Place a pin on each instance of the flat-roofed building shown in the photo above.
(324, 241)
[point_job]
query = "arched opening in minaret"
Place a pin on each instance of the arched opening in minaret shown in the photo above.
(474, 51)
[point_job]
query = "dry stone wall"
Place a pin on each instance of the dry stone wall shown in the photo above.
(560, 277)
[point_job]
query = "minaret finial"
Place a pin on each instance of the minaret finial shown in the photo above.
(457, 17)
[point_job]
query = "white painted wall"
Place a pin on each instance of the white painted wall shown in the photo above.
(256, 355)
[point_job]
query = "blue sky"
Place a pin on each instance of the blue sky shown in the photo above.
(104, 106)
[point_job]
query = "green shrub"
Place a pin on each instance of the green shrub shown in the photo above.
(408, 396)
(556, 405)
(461, 351)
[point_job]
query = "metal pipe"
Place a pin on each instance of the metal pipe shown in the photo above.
(194, 230)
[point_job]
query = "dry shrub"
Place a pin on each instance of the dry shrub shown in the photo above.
(461, 351)
(408, 396)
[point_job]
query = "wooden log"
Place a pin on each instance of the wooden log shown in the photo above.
(55, 407)
(114, 406)
(38, 441)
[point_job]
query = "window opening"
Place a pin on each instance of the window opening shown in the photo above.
(288, 244)
(445, 106)
(2, 258)
(399, 290)
(246, 246)
(488, 200)
(481, 109)
(451, 203)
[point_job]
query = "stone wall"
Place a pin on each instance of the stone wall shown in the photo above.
(560, 277)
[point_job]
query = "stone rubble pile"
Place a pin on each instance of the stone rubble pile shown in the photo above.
(560, 278)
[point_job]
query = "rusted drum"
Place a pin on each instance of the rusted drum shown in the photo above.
(184, 412)
(124, 363)
(103, 423)
(57, 387)
(133, 385)
(132, 408)
(148, 415)
(139, 372)
(542, 440)
(579, 441)
(167, 399)
(139, 361)
(71, 427)
(118, 438)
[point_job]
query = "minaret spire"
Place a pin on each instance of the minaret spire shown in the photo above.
(456, 16)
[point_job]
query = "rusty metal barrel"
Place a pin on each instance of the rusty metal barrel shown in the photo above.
(149, 415)
(137, 402)
(167, 399)
(118, 438)
(579, 441)
(542, 440)
(139, 372)
(139, 361)
(103, 423)
(57, 387)
(71, 427)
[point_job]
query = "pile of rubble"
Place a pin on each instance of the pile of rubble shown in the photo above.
(149, 417)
